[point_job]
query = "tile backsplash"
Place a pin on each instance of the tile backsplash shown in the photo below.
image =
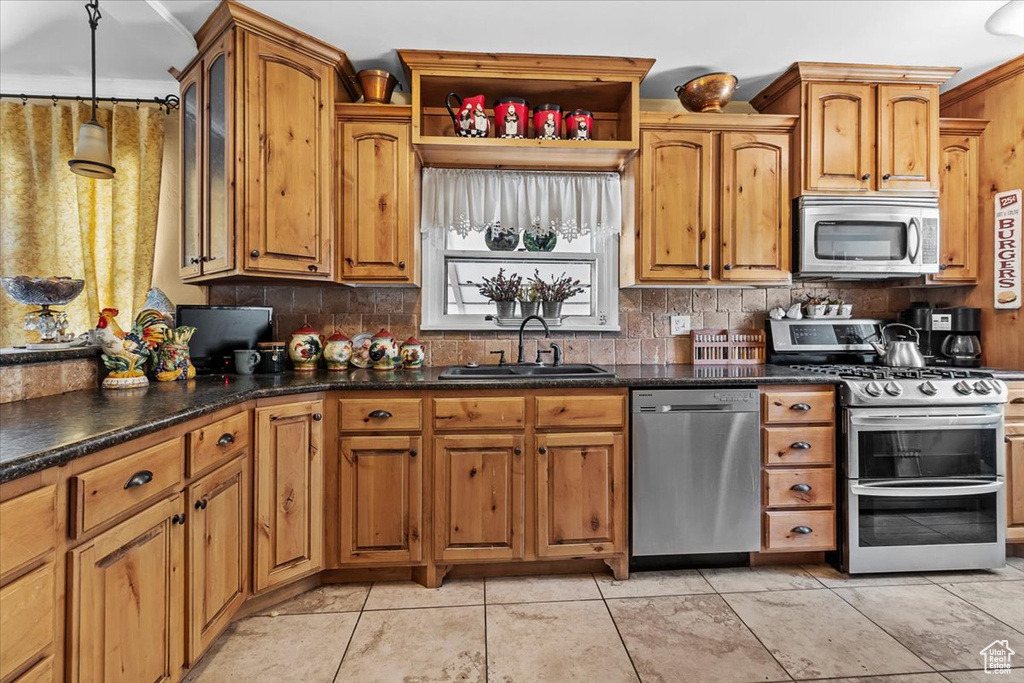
(644, 317)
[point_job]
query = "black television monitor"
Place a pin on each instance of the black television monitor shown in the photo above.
(222, 330)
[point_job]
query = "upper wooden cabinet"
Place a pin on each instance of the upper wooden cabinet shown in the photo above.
(713, 200)
(379, 175)
(288, 467)
(257, 146)
(959, 203)
(863, 128)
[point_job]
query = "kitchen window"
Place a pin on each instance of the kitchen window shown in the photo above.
(468, 215)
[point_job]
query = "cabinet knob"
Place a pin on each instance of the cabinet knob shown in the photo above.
(317, 417)
(886, 176)
(943, 266)
(542, 450)
(311, 268)
(255, 253)
(178, 519)
(413, 453)
(802, 530)
(193, 260)
(727, 266)
(201, 504)
(401, 265)
(517, 451)
(866, 177)
(707, 266)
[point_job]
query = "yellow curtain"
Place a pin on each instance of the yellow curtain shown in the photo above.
(53, 222)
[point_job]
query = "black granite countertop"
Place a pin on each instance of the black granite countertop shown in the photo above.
(54, 430)
(20, 356)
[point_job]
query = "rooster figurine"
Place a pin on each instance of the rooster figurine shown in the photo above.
(125, 353)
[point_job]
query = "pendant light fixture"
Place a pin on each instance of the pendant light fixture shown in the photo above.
(92, 153)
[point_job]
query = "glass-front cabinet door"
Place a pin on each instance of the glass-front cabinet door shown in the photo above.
(217, 210)
(190, 264)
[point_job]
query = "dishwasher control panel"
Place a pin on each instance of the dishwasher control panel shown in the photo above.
(678, 400)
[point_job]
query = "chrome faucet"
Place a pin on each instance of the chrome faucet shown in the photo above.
(522, 326)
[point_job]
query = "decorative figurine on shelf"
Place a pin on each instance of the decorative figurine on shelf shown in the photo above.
(338, 351)
(305, 348)
(412, 353)
(125, 353)
(384, 351)
(171, 359)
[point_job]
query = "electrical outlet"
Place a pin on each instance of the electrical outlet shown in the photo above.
(680, 324)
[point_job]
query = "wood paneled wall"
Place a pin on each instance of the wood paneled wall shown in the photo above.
(996, 95)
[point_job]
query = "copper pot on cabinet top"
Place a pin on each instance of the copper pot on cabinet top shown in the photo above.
(378, 86)
(707, 93)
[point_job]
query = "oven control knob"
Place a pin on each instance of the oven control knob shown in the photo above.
(928, 388)
(873, 388)
(963, 387)
(893, 389)
(982, 387)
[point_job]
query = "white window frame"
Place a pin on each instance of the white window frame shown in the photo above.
(605, 287)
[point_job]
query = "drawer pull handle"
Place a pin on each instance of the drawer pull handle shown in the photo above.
(178, 519)
(225, 439)
(800, 406)
(802, 530)
(413, 453)
(201, 504)
(800, 488)
(317, 417)
(1017, 401)
(800, 446)
(380, 414)
(140, 478)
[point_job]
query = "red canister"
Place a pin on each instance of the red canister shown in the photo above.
(578, 124)
(547, 122)
(511, 115)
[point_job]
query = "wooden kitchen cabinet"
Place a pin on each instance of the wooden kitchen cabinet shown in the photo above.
(479, 484)
(257, 150)
(125, 599)
(959, 161)
(381, 509)
(218, 576)
(1013, 424)
(580, 494)
(379, 171)
(713, 201)
(289, 491)
(864, 128)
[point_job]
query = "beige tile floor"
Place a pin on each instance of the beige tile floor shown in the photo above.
(692, 626)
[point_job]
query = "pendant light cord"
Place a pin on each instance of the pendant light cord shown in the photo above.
(92, 8)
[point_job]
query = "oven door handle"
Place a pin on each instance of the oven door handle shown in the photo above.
(913, 421)
(914, 251)
(924, 492)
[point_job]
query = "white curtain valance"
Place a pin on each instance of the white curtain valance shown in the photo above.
(569, 204)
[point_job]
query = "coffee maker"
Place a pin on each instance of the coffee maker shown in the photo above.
(948, 336)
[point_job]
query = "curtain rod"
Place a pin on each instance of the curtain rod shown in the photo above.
(168, 103)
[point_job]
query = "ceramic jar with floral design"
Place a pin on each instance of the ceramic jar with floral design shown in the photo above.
(412, 353)
(384, 351)
(305, 348)
(337, 351)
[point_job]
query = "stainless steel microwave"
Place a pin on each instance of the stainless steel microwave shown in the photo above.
(862, 238)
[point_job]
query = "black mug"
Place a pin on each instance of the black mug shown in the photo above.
(273, 357)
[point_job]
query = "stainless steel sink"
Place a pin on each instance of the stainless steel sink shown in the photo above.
(526, 371)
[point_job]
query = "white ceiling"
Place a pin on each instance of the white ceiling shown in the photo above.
(44, 46)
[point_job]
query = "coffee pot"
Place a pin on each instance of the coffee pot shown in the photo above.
(899, 353)
(471, 121)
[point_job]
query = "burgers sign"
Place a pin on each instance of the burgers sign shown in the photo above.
(1007, 249)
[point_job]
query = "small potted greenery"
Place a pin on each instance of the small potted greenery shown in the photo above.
(503, 291)
(555, 292)
(529, 299)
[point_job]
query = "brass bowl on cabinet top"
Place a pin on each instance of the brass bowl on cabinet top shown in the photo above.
(377, 85)
(707, 93)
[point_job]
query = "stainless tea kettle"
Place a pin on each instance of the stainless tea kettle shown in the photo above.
(899, 354)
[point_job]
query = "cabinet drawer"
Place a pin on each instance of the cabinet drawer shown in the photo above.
(797, 406)
(1015, 405)
(217, 442)
(800, 488)
(476, 413)
(379, 415)
(101, 494)
(29, 620)
(580, 411)
(799, 446)
(28, 527)
(803, 530)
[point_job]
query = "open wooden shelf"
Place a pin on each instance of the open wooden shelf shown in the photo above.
(570, 155)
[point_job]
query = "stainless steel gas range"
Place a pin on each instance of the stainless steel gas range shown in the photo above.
(922, 461)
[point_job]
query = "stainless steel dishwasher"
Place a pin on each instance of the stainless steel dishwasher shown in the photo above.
(696, 471)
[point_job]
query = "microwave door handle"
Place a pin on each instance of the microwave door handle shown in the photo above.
(913, 245)
(925, 491)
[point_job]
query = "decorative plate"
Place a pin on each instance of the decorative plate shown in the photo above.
(361, 350)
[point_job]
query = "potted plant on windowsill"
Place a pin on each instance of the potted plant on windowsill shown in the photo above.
(503, 291)
(529, 299)
(555, 292)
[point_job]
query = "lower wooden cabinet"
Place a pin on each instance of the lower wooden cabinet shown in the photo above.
(381, 512)
(289, 490)
(581, 502)
(125, 600)
(479, 497)
(28, 624)
(217, 553)
(1014, 425)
